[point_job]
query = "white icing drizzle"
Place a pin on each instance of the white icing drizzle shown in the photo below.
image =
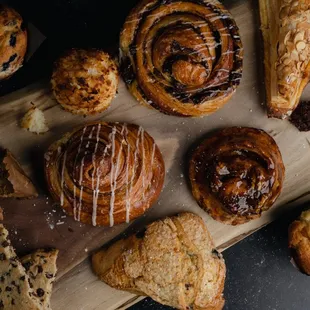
(95, 193)
(112, 138)
(63, 178)
(128, 206)
(127, 179)
(81, 191)
(76, 157)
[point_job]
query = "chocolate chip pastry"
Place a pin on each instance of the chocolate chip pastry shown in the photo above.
(181, 57)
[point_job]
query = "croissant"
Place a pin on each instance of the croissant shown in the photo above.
(236, 174)
(285, 27)
(105, 173)
(183, 58)
(174, 262)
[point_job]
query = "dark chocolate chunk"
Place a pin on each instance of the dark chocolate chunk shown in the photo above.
(187, 286)
(40, 292)
(8, 289)
(40, 269)
(13, 301)
(5, 243)
(301, 116)
(6, 65)
(27, 265)
(13, 40)
(30, 284)
(22, 278)
(1, 304)
(2, 256)
(49, 275)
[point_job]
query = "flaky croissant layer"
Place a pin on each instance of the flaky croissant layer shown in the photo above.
(105, 173)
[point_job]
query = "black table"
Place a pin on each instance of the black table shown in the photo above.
(260, 275)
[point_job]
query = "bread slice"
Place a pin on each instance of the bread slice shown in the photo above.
(174, 263)
(41, 269)
(15, 290)
(13, 180)
(34, 121)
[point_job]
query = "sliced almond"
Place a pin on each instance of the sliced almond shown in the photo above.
(300, 45)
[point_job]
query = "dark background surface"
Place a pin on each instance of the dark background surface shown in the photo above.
(260, 275)
(259, 272)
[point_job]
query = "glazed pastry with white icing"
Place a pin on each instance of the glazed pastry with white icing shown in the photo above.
(285, 27)
(105, 173)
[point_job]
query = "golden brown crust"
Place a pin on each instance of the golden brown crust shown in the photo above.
(13, 41)
(285, 26)
(13, 180)
(299, 241)
(236, 174)
(173, 60)
(174, 263)
(85, 81)
(105, 173)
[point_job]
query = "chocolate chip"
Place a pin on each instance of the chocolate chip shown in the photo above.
(18, 289)
(187, 286)
(70, 229)
(6, 65)
(22, 278)
(14, 265)
(1, 304)
(30, 284)
(5, 244)
(40, 292)
(40, 269)
(8, 289)
(13, 40)
(27, 265)
(2, 257)
(49, 275)
(2, 279)
(13, 302)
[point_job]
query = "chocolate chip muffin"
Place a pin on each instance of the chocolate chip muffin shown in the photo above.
(13, 41)
(85, 81)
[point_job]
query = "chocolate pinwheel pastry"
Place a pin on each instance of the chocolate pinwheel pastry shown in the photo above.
(105, 173)
(236, 174)
(181, 57)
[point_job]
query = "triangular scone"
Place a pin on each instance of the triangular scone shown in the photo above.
(41, 269)
(15, 290)
(174, 263)
(285, 25)
(13, 180)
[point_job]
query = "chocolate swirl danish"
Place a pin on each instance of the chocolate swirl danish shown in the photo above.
(182, 57)
(237, 174)
(105, 173)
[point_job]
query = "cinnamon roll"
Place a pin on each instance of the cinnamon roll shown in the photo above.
(236, 174)
(105, 173)
(181, 57)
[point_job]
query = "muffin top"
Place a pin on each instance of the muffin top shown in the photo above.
(85, 81)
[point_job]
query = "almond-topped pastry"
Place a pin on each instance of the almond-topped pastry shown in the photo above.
(285, 26)
(174, 262)
(105, 173)
(183, 57)
(236, 174)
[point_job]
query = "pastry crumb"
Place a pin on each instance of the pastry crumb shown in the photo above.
(34, 121)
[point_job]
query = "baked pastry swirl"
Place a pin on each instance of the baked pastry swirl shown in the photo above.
(236, 174)
(105, 173)
(285, 26)
(181, 57)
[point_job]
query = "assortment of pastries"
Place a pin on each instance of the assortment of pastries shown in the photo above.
(183, 58)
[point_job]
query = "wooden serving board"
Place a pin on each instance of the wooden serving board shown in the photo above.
(40, 223)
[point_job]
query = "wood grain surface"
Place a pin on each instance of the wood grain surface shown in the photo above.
(40, 223)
